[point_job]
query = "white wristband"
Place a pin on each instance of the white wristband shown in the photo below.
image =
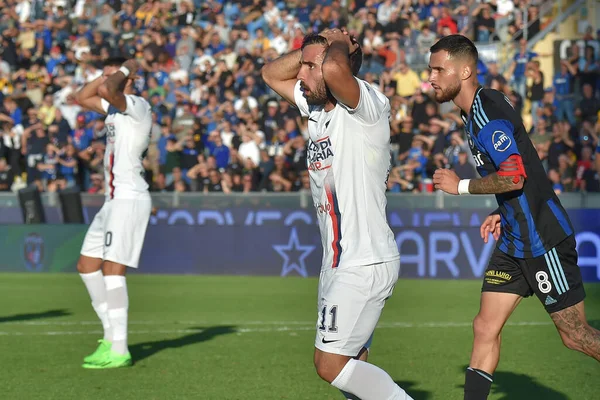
(125, 71)
(463, 186)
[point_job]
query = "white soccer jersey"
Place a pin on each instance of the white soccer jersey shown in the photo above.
(127, 138)
(348, 161)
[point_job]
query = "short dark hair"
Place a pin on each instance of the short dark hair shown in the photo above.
(355, 57)
(457, 46)
(313, 38)
(115, 61)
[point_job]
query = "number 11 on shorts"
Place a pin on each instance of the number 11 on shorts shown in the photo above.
(332, 321)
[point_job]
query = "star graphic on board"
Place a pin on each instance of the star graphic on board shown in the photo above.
(293, 254)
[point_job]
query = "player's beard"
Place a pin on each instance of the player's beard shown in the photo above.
(449, 93)
(318, 96)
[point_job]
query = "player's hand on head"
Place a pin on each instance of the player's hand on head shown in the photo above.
(334, 35)
(446, 180)
(490, 225)
(132, 65)
(109, 70)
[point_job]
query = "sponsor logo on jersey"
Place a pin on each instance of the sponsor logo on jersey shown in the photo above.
(33, 252)
(323, 208)
(110, 131)
(501, 141)
(320, 154)
(475, 152)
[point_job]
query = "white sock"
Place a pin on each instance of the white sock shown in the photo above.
(94, 283)
(118, 304)
(368, 382)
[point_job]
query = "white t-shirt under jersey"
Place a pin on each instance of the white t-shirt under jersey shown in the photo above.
(127, 138)
(348, 161)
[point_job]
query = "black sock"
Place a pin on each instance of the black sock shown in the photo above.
(477, 384)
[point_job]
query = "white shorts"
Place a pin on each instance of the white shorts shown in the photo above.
(117, 232)
(350, 303)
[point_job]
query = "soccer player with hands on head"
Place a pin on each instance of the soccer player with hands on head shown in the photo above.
(348, 161)
(115, 237)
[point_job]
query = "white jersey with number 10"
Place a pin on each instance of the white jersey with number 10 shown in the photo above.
(348, 162)
(127, 138)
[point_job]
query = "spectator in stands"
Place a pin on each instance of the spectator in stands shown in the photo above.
(97, 184)
(6, 176)
(407, 81)
(566, 172)
(425, 40)
(447, 21)
(68, 166)
(484, 24)
(561, 143)
(556, 181)
(402, 180)
(177, 184)
(463, 168)
(535, 92)
(563, 92)
(533, 22)
(589, 106)
(589, 68)
(200, 64)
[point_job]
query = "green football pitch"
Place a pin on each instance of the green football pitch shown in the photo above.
(222, 338)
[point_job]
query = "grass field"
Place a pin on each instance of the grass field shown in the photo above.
(226, 338)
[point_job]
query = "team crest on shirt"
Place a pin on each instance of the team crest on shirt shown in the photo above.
(501, 141)
(320, 154)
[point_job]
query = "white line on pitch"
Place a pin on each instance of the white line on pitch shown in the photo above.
(70, 323)
(290, 329)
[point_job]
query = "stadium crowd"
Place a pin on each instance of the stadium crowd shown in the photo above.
(218, 128)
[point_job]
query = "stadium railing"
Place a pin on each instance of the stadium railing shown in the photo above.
(303, 200)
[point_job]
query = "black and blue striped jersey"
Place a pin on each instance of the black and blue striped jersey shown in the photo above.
(533, 219)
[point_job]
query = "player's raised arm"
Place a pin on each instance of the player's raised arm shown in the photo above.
(337, 68)
(118, 88)
(280, 74)
(88, 97)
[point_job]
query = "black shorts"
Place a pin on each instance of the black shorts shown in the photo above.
(555, 277)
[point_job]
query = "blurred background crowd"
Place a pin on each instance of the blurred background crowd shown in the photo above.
(218, 128)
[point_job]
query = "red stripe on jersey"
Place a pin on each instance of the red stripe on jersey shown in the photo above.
(334, 213)
(111, 175)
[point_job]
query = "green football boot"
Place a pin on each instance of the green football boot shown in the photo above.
(103, 347)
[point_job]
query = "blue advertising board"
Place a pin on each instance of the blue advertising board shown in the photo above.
(434, 244)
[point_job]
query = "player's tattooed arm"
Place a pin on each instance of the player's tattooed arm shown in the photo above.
(510, 177)
(495, 184)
